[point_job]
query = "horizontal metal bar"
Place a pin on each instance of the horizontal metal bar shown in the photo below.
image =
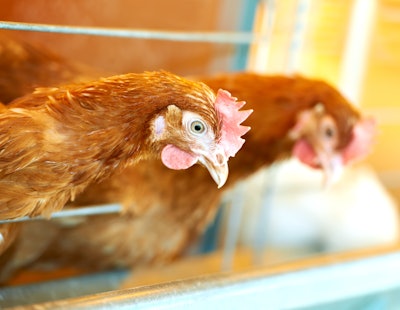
(60, 289)
(214, 37)
(260, 289)
(85, 211)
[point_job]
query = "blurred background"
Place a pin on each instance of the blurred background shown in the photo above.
(354, 45)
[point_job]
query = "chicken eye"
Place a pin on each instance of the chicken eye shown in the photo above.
(329, 132)
(197, 127)
(328, 128)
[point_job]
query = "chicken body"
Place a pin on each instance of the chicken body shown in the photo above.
(166, 210)
(24, 67)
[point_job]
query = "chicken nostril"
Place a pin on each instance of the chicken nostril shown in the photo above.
(220, 159)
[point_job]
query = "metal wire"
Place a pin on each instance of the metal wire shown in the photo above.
(85, 211)
(214, 37)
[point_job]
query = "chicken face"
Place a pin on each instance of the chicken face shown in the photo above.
(318, 141)
(189, 139)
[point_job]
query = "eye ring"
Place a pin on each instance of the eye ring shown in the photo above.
(197, 127)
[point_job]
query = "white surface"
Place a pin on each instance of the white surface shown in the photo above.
(354, 212)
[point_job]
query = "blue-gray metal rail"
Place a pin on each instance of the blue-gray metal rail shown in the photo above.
(305, 283)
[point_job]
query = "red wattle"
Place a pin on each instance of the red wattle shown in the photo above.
(305, 153)
(174, 158)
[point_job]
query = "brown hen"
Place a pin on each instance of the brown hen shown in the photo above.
(56, 141)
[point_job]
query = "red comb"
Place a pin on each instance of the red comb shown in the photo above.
(231, 130)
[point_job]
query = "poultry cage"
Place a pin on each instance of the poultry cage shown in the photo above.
(280, 239)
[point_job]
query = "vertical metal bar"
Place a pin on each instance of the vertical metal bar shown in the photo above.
(356, 48)
(258, 60)
(298, 35)
(260, 237)
(246, 24)
(233, 228)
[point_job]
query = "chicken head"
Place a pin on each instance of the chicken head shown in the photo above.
(318, 141)
(190, 139)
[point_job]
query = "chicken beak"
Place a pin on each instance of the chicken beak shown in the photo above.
(217, 165)
(332, 165)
